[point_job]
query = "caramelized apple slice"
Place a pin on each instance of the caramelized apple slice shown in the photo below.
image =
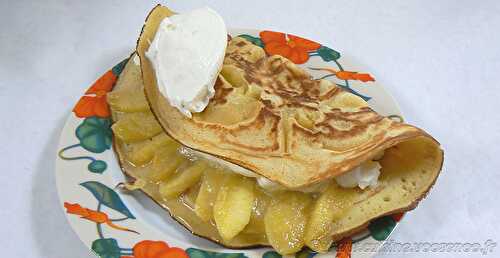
(166, 160)
(254, 91)
(285, 221)
(208, 193)
(135, 127)
(238, 107)
(245, 49)
(233, 206)
(189, 196)
(256, 223)
(144, 152)
(330, 206)
(234, 75)
(128, 100)
(182, 180)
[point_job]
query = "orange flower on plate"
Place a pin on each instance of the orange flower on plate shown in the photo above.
(157, 249)
(93, 215)
(347, 75)
(94, 102)
(344, 248)
(292, 47)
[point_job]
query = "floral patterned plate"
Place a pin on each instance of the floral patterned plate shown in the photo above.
(118, 225)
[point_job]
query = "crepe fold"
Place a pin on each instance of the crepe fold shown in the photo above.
(297, 132)
(270, 117)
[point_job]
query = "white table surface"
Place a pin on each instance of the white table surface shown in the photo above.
(440, 60)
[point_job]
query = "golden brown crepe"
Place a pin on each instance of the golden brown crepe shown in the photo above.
(270, 117)
(285, 126)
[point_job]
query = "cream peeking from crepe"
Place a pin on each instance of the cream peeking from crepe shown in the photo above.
(269, 117)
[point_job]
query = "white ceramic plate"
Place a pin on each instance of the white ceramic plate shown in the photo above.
(114, 224)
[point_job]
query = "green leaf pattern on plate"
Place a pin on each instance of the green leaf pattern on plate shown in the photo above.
(328, 54)
(106, 248)
(107, 197)
(117, 69)
(95, 134)
(255, 40)
(381, 228)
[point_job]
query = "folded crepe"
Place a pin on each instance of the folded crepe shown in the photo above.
(270, 117)
(296, 131)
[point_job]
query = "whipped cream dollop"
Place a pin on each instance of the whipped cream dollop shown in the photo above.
(187, 54)
(362, 176)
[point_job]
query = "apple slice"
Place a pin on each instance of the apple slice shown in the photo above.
(143, 152)
(182, 180)
(233, 206)
(256, 223)
(330, 206)
(136, 127)
(165, 161)
(285, 222)
(207, 195)
(128, 100)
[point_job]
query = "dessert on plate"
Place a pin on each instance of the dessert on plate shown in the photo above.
(246, 149)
